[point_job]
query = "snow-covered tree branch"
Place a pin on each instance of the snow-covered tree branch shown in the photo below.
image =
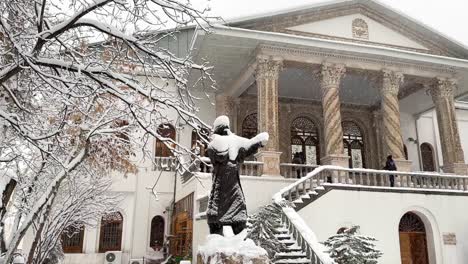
(83, 85)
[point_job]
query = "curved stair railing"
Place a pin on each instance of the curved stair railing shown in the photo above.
(319, 180)
(304, 236)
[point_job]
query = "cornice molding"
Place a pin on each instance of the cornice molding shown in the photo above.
(382, 62)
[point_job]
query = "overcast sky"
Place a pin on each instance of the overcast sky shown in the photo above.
(447, 16)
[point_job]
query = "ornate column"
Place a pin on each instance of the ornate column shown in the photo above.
(330, 79)
(392, 140)
(267, 74)
(376, 124)
(225, 105)
(442, 92)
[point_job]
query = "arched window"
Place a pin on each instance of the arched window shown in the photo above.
(353, 143)
(250, 126)
(413, 243)
(305, 147)
(72, 239)
(167, 131)
(110, 238)
(427, 156)
(157, 232)
(200, 140)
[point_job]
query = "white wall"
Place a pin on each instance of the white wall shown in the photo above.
(379, 214)
(408, 130)
(428, 131)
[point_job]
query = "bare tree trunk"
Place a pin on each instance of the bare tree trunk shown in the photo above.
(6, 196)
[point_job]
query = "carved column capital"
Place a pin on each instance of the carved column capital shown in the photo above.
(331, 74)
(442, 88)
(268, 67)
(391, 81)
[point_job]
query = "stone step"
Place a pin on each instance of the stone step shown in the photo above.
(290, 255)
(283, 236)
(280, 230)
(293, 261)
(292, 248)
(288, 242)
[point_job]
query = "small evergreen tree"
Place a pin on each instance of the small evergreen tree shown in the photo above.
(347, 247)
(262, 227)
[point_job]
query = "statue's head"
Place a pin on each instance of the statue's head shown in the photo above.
(221, 125)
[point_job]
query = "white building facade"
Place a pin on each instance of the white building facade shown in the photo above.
(343, 83)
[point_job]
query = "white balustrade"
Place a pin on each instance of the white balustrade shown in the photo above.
(330, 175)
(291, 170)
(165, 163)
(251, 168)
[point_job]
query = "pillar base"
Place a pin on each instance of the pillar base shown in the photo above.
(403, 165)
(271, 162)
(456, 168)
(336, 160)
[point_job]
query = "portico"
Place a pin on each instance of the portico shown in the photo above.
(334, 100)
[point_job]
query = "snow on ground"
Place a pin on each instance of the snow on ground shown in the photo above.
(230, 245)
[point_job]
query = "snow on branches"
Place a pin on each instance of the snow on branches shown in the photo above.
(348, 247)
(84, 85)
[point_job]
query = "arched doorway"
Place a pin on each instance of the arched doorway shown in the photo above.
(353, 143)
(157, 232)
(413, 243)
(427, 156)
(305, 141)
(250, 126)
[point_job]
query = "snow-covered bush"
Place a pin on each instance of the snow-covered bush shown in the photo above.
(262, 227)
(348, 247)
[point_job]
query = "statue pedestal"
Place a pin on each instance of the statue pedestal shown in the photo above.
(336, 160)
(231, 250)
(403, 165)
(231, 259)
(271, 162)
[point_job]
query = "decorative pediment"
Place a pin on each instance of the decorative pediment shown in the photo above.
(357, 28)
(357, 21)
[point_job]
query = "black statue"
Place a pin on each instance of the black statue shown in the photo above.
(227, 151)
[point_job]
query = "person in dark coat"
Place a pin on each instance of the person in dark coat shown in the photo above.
(297, 160)
(390, 166)
(226, 205)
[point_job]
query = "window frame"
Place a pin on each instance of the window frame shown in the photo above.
(102, 235)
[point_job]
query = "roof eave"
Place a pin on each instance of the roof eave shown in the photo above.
(339, 45)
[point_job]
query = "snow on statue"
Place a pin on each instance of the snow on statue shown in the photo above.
(227, 151)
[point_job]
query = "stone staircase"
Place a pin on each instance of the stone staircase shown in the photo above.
(302, 246)
(293, 253)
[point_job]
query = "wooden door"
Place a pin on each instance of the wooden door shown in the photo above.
(413, 248)
(419, 248)
(405, 248)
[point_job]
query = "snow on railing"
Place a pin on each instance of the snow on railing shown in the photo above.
(292, 170)
(251, 168)
(372, 178)
(247, 168)
(304, 236)
(356, 177)
(165, 163)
